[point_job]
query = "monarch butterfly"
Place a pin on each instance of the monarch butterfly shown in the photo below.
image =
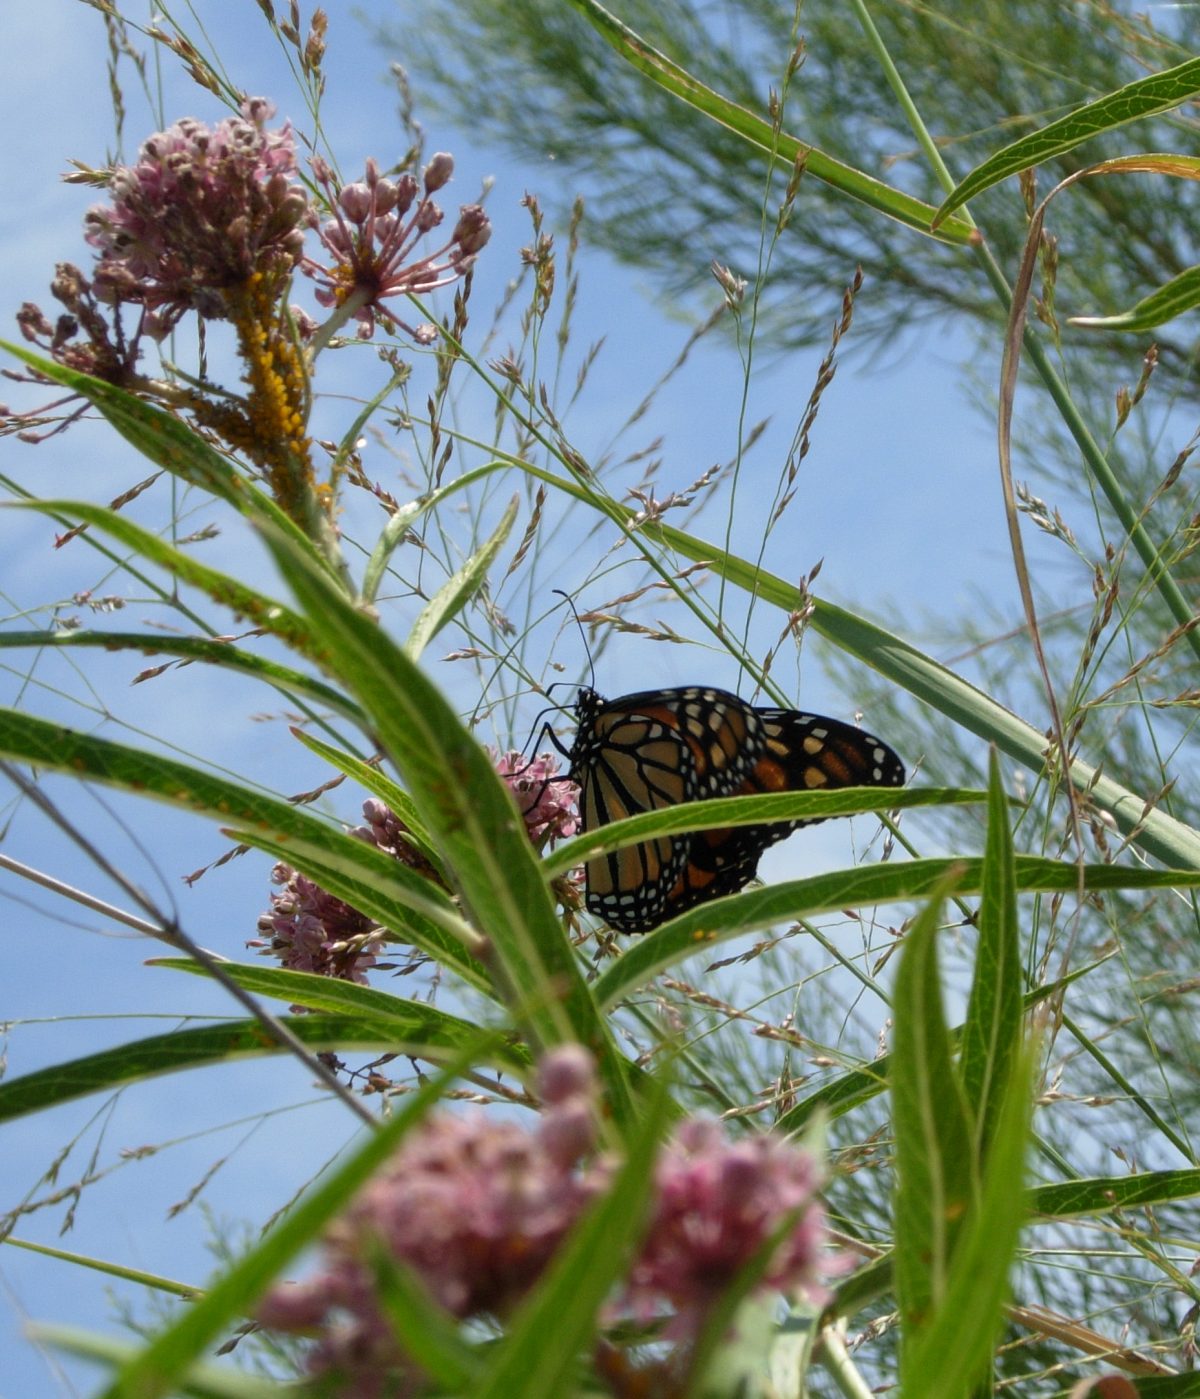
(657, 748)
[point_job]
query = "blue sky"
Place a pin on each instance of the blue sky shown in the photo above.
(899, 498)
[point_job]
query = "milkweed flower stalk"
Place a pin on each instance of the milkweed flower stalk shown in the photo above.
(213, 220)
(477, 1209)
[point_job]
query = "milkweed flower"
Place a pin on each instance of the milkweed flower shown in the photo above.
(387, 831)
(477, 1209)
(202, 210)
(211, 220)
(548, 803)
(371, 239)
(82, 338)
(310, 930)
(716, 1204)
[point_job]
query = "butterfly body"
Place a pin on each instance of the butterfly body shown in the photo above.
(658, 748)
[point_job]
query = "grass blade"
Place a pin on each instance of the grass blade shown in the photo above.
(932, 1126)
(722, 919)
(1146, 97)
(458, 590)
(212, 1044)
(751, 811)
(759, 133)
(991, 1036)
(1172, 299)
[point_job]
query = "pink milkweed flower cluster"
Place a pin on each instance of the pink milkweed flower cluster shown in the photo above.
(477, 1209)
(201, 211)
(213, 219)
(310, 930)
(372, 236)
(717, 1203)
(547, 802)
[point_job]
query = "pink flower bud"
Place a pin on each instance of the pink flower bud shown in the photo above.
(438, 172)
(473, 229)
(428, 217)
(355, 201)
(566, 1072)
(406, 192)
(386, 197)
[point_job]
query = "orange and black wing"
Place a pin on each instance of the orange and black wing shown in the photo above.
(801, 753)
(647, 751)
(659, 748)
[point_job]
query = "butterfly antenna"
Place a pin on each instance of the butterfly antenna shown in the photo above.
(587, 650)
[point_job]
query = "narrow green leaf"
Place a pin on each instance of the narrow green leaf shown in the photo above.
(932, 1126)
(473, 822)
(1146, 97)
(170, 444)
(717, 813)
(242, 601)
(1104, 1193)
(413, 1021)
(540, 1351)
(192, 648)
(459, 589)
(370, 880)
(399, 523)
(379, 784)
(714, 923)
(154, 1281)
(992, 1030)
(758, 132)
(424, 1331)
(1180, 294)
(212, 1044)
(200, 1382)
(154, 1370)
(945, 1356)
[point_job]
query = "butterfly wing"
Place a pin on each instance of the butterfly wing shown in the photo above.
(801, 753)
(647, 751)
(658, 748)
